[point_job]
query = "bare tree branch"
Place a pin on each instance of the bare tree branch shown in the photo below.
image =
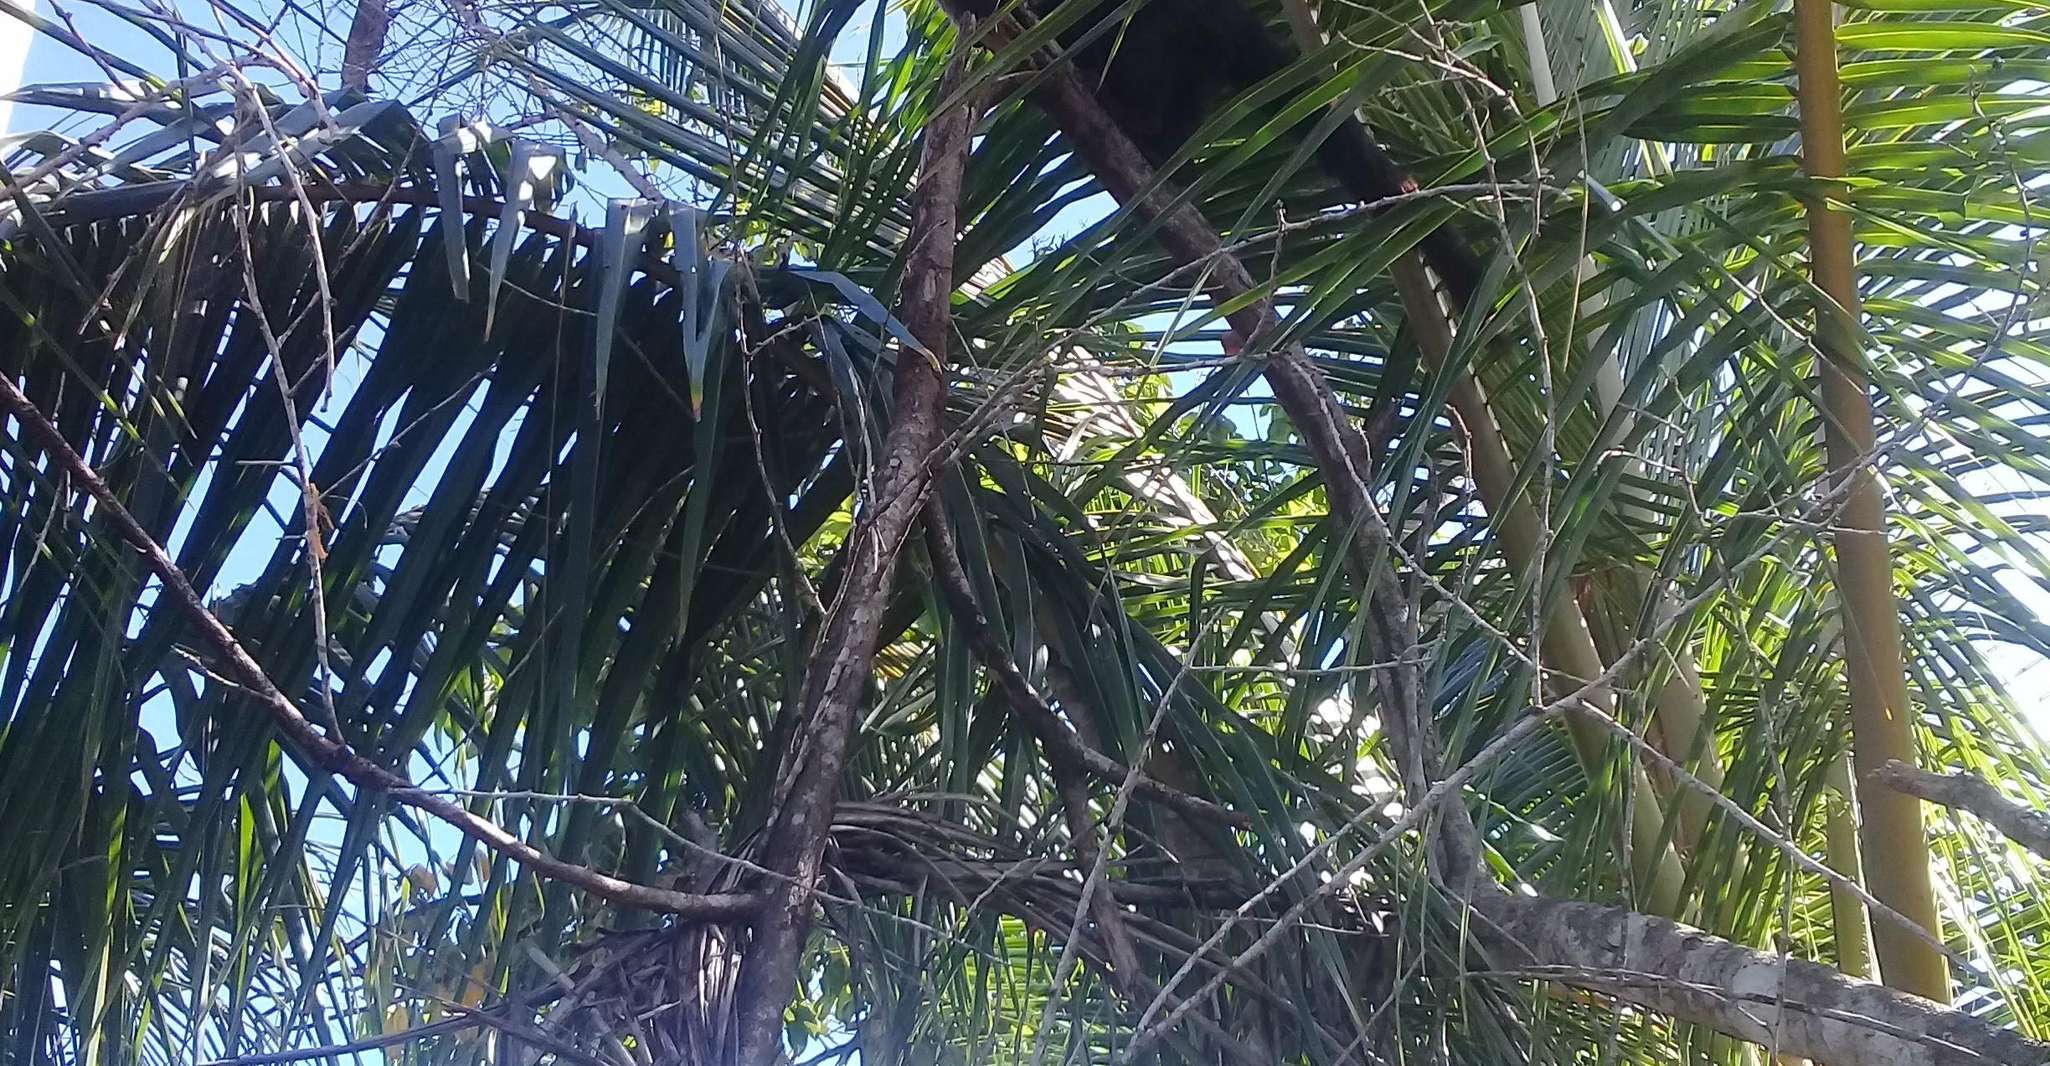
(1970, 792)
(841, 664)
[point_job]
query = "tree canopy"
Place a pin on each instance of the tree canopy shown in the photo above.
(685, 532)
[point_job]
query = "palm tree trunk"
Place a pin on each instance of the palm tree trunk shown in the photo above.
(1882, 727)
(365, 45)
(1804, 1009)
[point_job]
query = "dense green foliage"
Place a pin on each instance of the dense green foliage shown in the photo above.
(551, 567)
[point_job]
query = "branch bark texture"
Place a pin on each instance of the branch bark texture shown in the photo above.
(842, 661)
(1970, 792)
(1798, 1008)
(365, 45)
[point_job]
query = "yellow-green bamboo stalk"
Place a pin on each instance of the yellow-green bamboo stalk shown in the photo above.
(1679, 725)
(1565, 641)
(1847, 913)
(1680, 706)
(1895, 850)
(1566, 647)
(1565, 644)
